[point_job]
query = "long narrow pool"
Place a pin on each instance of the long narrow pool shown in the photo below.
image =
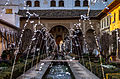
(58, 70)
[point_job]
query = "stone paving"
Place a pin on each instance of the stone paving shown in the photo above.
(33, 73)
(80, 72)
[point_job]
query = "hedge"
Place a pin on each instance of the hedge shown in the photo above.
(96, 69)
(18, 70)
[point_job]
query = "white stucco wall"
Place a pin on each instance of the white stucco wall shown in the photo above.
(11, 18)
(68, 4)
(10, 2)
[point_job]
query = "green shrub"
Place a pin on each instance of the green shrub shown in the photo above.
(114, 64)
(18, 70)
(96, 69)
(4, 56)
(4, 64)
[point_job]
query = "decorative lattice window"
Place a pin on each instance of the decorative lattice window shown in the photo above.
(9, 11)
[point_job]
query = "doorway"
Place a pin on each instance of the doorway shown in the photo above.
(59, 33)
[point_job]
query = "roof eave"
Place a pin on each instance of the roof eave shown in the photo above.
(9, 24)
(110, 6)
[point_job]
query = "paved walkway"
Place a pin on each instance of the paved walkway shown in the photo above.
(80, 72)
(36, 74)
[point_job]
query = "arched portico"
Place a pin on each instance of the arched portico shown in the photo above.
(59, 33)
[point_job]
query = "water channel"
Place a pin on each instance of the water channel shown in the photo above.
(58, 70)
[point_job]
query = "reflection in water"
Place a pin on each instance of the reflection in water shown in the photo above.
(59, 71)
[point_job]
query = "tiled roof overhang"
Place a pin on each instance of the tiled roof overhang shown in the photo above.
(9, 24)
(60, 14)
(105, 11)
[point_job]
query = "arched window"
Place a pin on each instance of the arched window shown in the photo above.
(37, 4)
(85, 3)
(29, 3)
(61, 3)
(53, 3)
(77, 3)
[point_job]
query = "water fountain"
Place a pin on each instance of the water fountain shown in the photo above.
(34, 39)
(66, 73)
(58, 70)
(17, 48)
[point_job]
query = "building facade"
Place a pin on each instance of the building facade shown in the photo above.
(10, 8)
(110, 23)
(8, 13)
(65, 4)
(56, 14)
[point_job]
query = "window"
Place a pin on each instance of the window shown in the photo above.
(105, 0)
(114, 17)
(85, 3)
(37, 4)
(29, 3)
(119, 14)
(53, 3)
(61, 3)
(8, 11)
(104, 22)
(110, 19)
(77, 3)
(107, 20)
